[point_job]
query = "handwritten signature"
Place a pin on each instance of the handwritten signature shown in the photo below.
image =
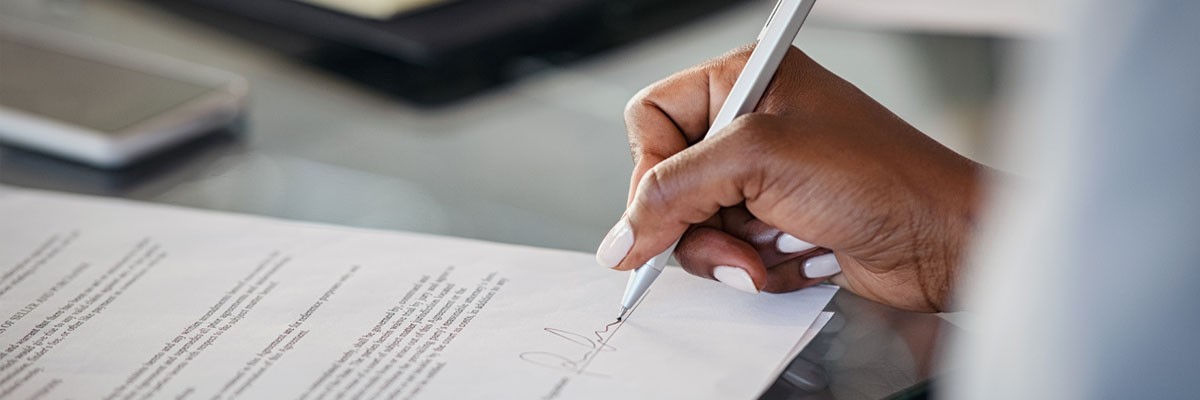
(594, 344)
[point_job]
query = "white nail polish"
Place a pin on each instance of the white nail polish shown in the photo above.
(615, 245)
(735, 277)
(822, 266)
(790, 244)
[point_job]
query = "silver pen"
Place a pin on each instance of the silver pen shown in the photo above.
(773, 43)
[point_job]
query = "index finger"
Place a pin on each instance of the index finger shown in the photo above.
(674, 113)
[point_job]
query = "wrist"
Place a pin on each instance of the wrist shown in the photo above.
(960, 222)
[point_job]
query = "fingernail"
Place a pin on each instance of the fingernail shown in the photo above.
(790, 244)
(735, 277)
(821, 266)
(615, 245)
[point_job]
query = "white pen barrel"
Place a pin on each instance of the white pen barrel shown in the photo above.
(774, 41)
(776, 37)
(641, 278)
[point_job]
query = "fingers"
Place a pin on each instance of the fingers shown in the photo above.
(715, 254)
(821, 266)
(786, 243)
(733, 246)
(686, 189)
(765, 239)
(725, 243)
(667, 116)
(662, 121)
(802, 272)
(711, 253)
(788, 276)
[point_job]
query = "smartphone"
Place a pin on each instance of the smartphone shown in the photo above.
(103, 104)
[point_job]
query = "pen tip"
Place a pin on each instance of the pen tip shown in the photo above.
(622, 316)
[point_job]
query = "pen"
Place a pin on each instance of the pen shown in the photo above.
(773, 43)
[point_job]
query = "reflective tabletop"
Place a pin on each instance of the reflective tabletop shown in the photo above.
(541, 161)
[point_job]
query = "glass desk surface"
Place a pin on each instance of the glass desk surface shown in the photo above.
(542, 161)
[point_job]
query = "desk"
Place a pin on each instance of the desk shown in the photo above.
(542, 161)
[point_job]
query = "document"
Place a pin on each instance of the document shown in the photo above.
(110, 299)
(809, 335)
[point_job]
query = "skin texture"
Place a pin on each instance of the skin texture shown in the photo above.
(819, 160)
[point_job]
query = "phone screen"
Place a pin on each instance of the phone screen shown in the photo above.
(94, 94)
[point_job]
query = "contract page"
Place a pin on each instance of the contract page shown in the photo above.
(110, 299)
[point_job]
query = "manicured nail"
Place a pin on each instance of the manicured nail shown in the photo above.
(615, 245)
(735, 277)
(790, 244)
(821, 266)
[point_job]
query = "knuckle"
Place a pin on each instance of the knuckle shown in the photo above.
(758, 147)
(740, 53)
(635, 110)
(653, 194)
(636, 152)
(647, 97)
(756, 136)
(730, 63)
(638, 102)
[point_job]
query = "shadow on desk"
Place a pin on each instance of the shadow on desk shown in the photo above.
(867, 351)
(30, 169)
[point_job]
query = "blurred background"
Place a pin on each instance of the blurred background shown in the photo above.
(502, 120)
(497, 120)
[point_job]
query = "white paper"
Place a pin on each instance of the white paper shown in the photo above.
(809, 335)
(109, 299)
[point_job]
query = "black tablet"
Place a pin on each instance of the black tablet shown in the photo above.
(435, 51)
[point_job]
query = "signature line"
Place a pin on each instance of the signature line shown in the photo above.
(604, 343)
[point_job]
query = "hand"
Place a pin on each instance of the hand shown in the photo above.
(820, 176)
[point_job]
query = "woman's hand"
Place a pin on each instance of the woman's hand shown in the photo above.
(820, 176)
